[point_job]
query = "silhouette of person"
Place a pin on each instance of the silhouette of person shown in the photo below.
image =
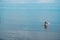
(45, 24)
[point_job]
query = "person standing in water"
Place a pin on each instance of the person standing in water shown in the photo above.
(45, 24)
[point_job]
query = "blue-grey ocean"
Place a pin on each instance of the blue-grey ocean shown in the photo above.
(24, 20)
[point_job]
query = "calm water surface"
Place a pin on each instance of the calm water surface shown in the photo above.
(25, 21)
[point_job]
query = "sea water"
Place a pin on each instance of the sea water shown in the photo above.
(25, 21)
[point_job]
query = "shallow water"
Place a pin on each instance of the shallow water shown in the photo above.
(30, 33)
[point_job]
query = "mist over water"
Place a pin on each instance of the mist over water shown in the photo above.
(24, 21)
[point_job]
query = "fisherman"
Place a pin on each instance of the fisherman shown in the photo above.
(45, 24)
